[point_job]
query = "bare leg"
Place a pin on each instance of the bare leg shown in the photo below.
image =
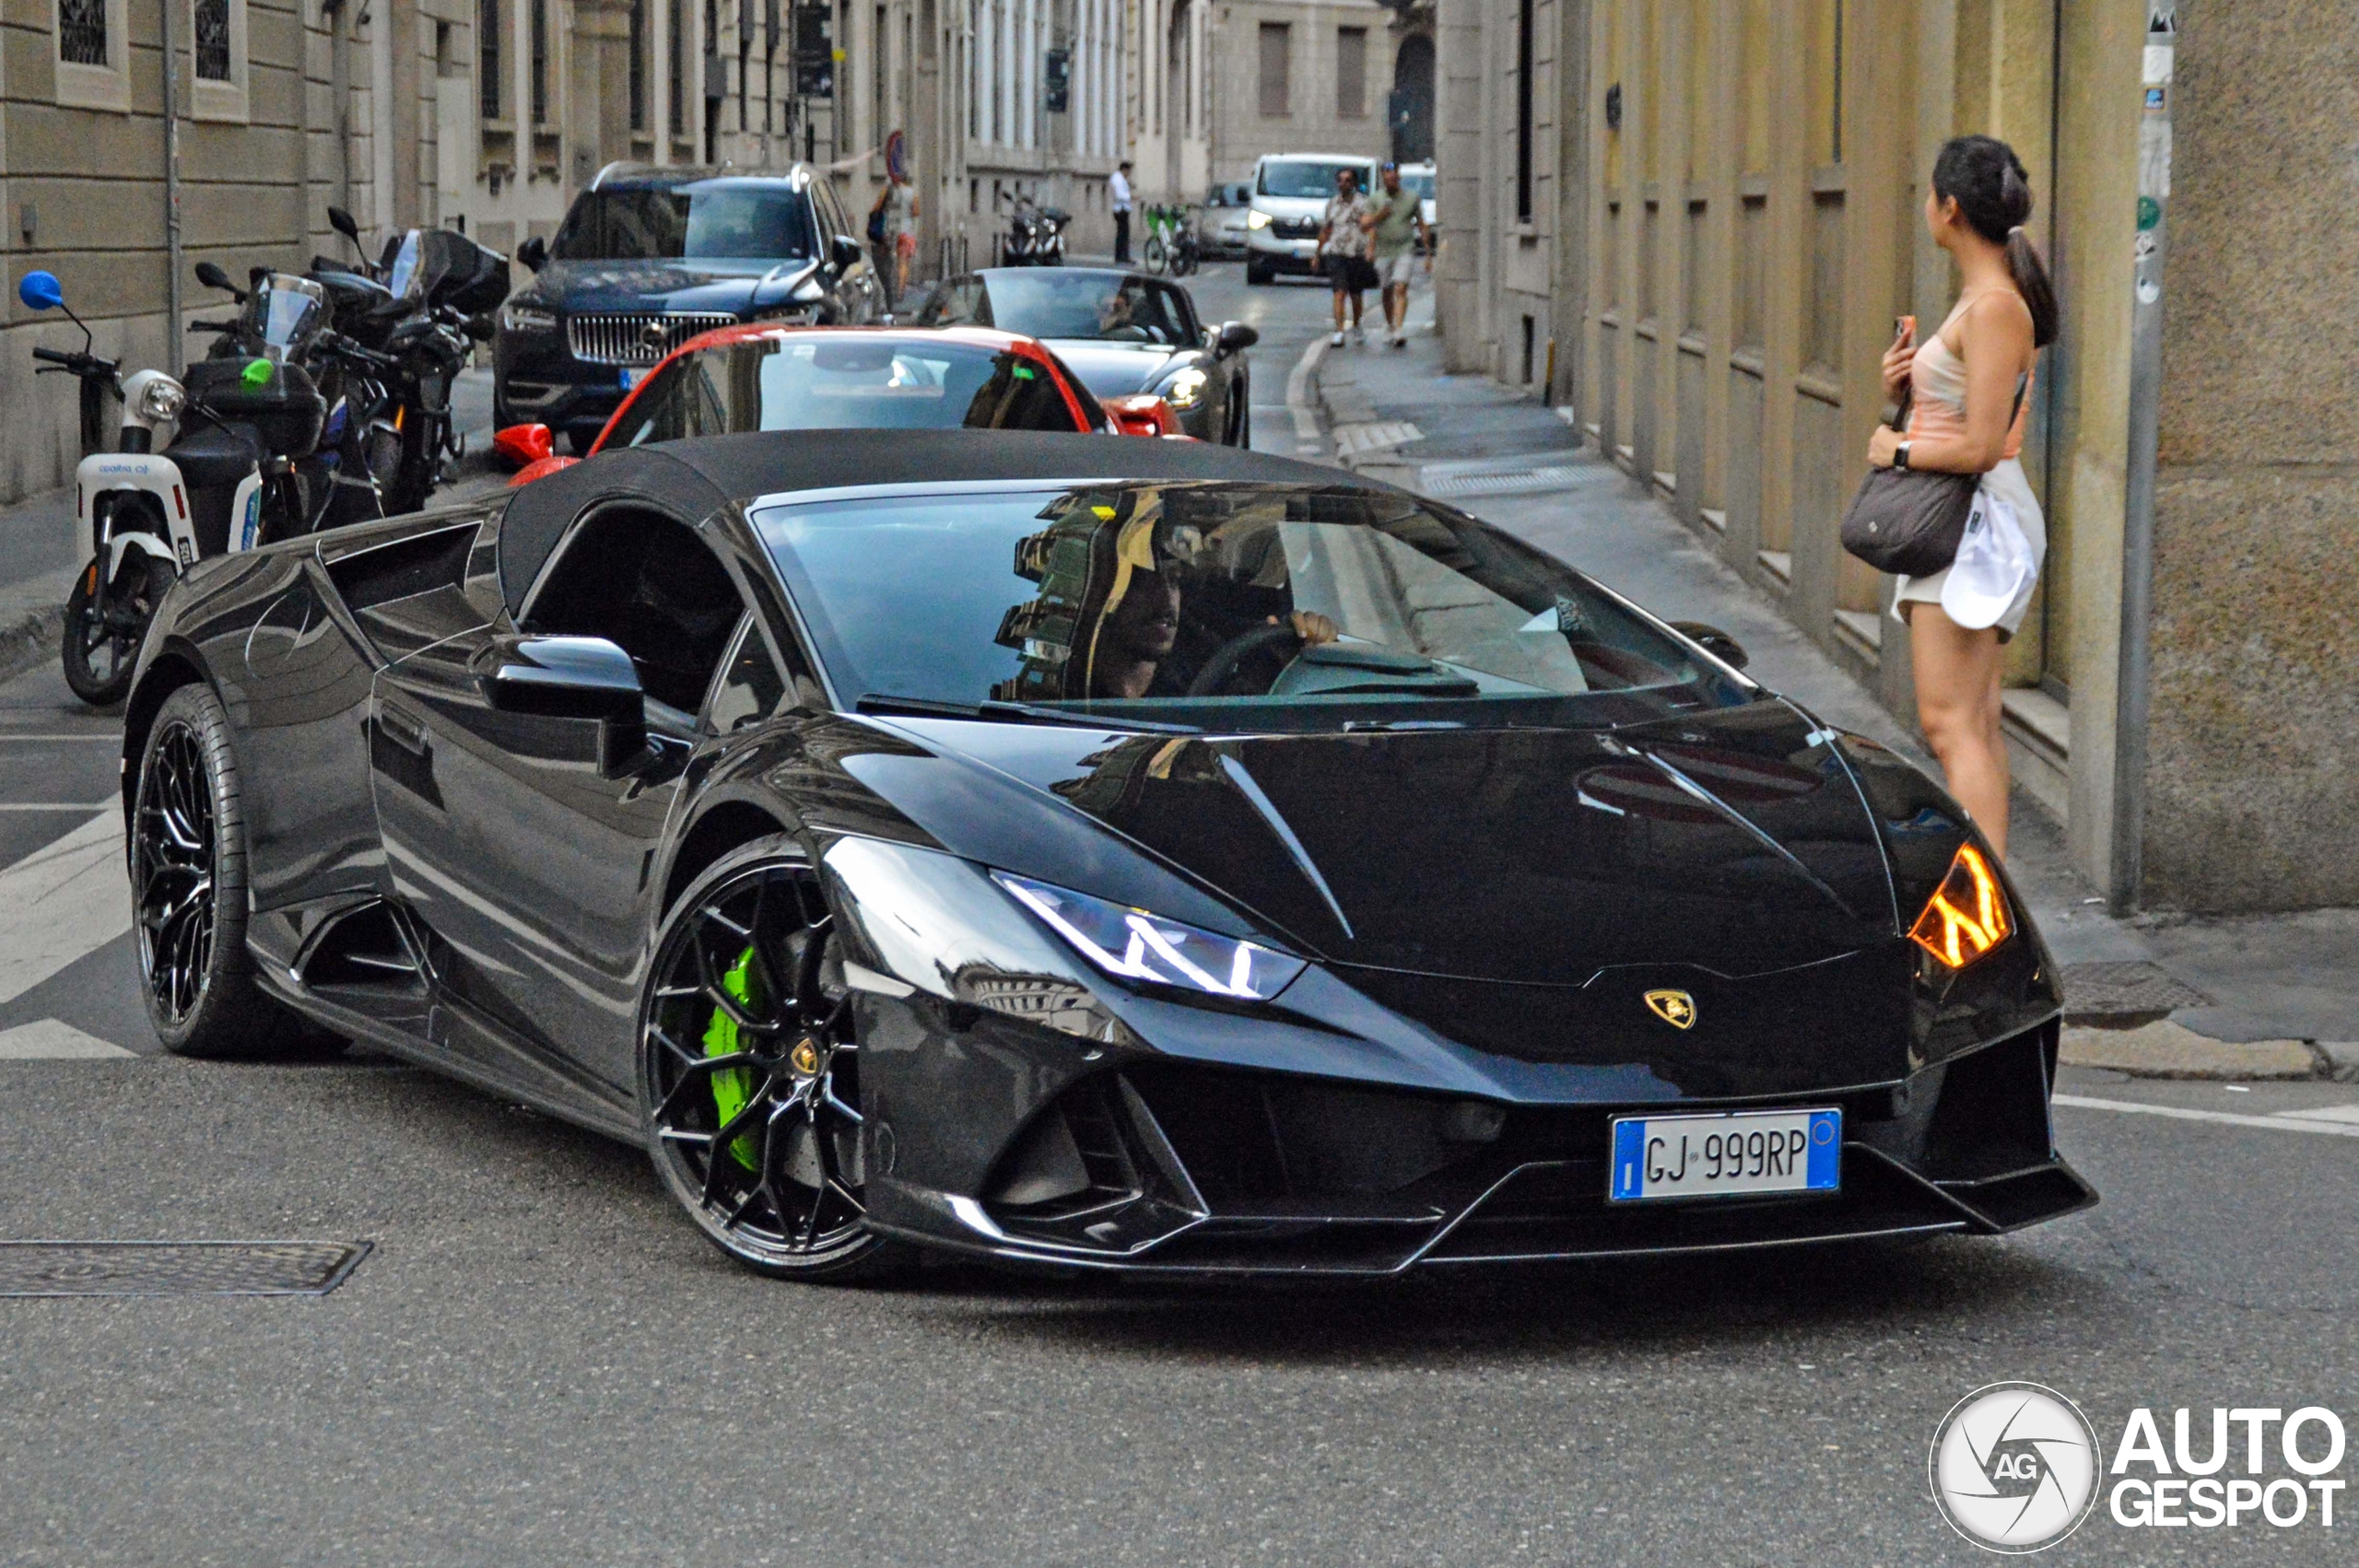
(1339, 309)
(1957, 705)
(1358, 301)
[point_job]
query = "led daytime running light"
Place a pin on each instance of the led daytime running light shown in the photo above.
(1967, 914)
(1134, 946)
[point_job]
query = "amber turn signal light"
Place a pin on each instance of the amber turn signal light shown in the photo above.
(1967, 914)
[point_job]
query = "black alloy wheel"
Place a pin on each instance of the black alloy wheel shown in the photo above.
(749, 1075)
(102, 644)
(188, 892)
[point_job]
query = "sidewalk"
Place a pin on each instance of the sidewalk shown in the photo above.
(2245, 998)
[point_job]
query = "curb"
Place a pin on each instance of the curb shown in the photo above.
(30, 640)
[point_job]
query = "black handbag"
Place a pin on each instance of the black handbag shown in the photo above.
(1906, 520)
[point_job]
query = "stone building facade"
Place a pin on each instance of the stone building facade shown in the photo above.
(1304, 75)
(1722, 221)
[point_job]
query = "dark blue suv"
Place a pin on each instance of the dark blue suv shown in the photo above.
(649, 257)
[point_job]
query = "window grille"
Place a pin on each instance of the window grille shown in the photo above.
(82, 31)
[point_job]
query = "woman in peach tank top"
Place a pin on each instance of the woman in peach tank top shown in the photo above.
(1969, 388)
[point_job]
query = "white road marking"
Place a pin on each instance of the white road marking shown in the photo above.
(112, 740)
(50, 1040)
(2287, 1122)
(63, 902)
(1305, 423)
(55, 805)
(2324, 1113)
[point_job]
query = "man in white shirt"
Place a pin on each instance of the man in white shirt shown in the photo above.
(1118, 187)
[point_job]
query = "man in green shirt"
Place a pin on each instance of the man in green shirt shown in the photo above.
(1396, 226)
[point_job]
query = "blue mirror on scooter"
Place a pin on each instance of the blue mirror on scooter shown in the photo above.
(41, 291)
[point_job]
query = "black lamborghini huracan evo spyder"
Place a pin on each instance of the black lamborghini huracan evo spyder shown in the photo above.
(1118, 854)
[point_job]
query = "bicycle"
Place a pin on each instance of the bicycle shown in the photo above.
(1171, 242)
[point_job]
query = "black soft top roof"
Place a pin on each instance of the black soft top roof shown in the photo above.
(693, 479)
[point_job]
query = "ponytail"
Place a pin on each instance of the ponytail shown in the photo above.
(1986, 179)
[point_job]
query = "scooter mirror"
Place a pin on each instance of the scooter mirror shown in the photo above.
(534, 252)
(210, 275)
(41, 291)
(342, 222)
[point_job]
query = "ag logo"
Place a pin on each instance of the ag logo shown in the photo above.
(1674, 1008)
(2014, 1466)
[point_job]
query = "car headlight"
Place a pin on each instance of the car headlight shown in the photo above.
(161, 400)
(528, 318)
(1257, 218)
(1185, 389)
(1133, 944)
(1967, 914)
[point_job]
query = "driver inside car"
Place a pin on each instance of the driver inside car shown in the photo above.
(1140, 634)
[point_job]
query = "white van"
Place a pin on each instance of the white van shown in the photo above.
(1290, 194)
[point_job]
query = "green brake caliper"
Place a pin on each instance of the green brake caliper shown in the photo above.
(733, 1086)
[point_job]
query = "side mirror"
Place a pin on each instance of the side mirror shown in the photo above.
(1235, 338)
(210, 275)
(1714, 641)
(534, 252)
(523, 444)
(843, 251)
(585, 678)
(41, 291)
(342, 222)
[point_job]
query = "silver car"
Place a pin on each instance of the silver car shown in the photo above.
(1222, 232)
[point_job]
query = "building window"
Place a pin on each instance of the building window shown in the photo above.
(638, 64)
(1277, 47)
(540, 62)
(1351, 72)
(82, 35)
(675, 48)
(212, 35)
(487, 53)
(1523, 29)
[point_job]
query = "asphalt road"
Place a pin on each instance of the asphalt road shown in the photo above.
(539, 1362)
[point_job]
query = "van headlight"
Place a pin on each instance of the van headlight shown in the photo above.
(1257, 218)
(528, 319)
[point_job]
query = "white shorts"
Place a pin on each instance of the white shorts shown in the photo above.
(1397, 269)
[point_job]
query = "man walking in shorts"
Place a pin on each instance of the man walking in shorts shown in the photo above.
(1397, 234)
(1343, 250)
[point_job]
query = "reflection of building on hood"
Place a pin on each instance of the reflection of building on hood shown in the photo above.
(1085, 561)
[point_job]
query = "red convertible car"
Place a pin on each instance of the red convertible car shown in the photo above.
(762, 377)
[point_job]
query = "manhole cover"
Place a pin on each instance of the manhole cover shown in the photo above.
(176, 1267)
(2125, 993)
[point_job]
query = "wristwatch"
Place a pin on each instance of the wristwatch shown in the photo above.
(1900, 455)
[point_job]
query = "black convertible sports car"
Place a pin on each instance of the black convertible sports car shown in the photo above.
(1134, 855)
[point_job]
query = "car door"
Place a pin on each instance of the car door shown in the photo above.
(514, 838)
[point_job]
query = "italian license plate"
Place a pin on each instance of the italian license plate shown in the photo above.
(633, 379)
(1733, 1154)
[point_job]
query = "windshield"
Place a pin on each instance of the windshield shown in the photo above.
(285, 313)
(792, 382)
(1107, 306)
(1306, 176)
(1217, 605)
(709, 221)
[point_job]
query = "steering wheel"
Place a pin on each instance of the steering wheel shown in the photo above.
(1221, 668)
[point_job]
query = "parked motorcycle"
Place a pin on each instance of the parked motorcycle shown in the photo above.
(199, 467)
(1036, 236)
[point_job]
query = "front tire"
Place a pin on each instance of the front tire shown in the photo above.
(188, 890)
(748, 1073)
(100, 649)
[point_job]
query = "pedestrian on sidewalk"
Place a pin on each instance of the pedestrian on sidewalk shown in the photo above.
(1343, 251)
(896, 207)
(1396, 230)
(1118, 189)
(1968, 391)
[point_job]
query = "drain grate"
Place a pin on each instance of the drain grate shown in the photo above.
(176, 1267)
(1510, 482)
(2125, 994)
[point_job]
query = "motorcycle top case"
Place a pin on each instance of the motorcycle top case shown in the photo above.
(285, 408)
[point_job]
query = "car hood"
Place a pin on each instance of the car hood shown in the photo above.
(718, 286)
(1110, 370)
(1736, 840)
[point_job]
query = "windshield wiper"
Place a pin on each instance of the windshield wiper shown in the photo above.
(1019, 712)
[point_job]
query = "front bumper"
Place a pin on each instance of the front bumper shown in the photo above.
(536, 380)
(1141, 1161)
(1281, 255)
